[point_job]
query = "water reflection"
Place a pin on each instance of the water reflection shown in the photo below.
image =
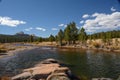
(82, 62)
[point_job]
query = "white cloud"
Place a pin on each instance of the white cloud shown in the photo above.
(40, 28)
(85, 16)
(81, 22)
(54, 29)
(102, 22)
(65, 26)
(61, 25)
(113, 9)
(29, 29)
(7, 21)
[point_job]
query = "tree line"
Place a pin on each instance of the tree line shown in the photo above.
(67, 36)
(71, 34)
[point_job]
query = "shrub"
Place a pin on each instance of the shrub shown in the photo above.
(96, 45)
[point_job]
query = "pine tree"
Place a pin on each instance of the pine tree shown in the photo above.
(51, 38)
(67, 35)
(74, 32)
(31, 38)
(82, 35)
(60, 37)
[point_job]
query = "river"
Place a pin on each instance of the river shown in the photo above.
(88, 63)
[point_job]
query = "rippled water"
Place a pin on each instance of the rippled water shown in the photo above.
(87, 63)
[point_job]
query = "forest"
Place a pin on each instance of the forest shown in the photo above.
(69, 35)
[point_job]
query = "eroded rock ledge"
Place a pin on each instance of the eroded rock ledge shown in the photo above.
(49, 69)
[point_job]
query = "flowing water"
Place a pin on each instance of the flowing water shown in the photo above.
(86, 63)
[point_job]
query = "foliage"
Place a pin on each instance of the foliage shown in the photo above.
(51, 38)
(67, 35)
(105, 35)
(60, 36)
(82, 35)
(31, 38)
(40, 39)
(70, 33)
(96, 45)
(83, 77)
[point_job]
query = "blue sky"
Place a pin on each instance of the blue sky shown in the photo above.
(45, 17)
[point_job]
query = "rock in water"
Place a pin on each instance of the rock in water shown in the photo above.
(49, 69)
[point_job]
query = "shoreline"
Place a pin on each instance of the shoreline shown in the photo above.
(87, 48)
(16, 50)
(78, 46)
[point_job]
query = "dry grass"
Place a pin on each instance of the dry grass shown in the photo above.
(96, 45)
(5, 78)
(2, 48)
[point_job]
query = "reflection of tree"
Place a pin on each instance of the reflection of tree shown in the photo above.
(95, 63)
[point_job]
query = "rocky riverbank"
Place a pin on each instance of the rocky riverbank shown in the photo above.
(87, 47)
(97, 44)
(49, 69)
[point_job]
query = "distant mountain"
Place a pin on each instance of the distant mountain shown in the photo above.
(18, 37)
(21, 33)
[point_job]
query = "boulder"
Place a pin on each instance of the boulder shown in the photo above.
(49, 69)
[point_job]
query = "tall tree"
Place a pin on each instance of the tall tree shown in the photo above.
(31, 38)
(82, 35)
(71, 33)
(67, 35)
(60, 37)
(103, 36)
(74, 32)
(51, 38)
(108, 37)
(40, 39)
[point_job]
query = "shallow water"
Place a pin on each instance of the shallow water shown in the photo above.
(87, 63)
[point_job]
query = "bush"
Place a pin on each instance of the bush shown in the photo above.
(96, 45)
(83, 77)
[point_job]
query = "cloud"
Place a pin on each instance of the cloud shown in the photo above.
(61, 25)
(29, 29)
(102, 22)
(81, 22)
(40, 28)
(54, 29)
(113, 9)
(7, 21)
(85, 16)
(65, 26)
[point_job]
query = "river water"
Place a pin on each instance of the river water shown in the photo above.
(88, 63)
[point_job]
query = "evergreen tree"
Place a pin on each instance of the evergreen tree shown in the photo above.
(71, 33)
(82, 35)
(51, 38)
(31, 38)
(74, 32)
(60, 37)
(103, 36)
(67, 35)
(40, 39)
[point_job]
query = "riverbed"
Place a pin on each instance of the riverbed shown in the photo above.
(88, 63)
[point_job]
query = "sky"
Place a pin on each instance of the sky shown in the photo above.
(45, 17)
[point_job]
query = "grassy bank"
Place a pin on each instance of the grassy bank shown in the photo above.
(112, 45)
(9, 49)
